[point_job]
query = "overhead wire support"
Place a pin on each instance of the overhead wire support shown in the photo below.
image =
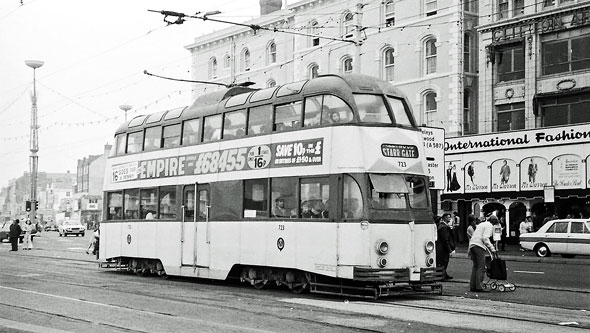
(254, 27)
(243, 84)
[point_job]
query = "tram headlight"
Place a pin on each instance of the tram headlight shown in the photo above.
(382, 262)
(429, 261)
(429, 247)
(382, 247)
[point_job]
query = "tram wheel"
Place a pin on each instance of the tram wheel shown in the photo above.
(140, 272)
(259, 284)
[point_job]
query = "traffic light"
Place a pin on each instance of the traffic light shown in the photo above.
(28, 206)
(36, 205)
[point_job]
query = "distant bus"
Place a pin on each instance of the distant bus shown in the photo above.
(318, 185)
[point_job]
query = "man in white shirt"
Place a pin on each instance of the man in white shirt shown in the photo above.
(479, 246)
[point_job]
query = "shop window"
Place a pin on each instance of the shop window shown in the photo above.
(510, 62)
(510, 117)
(566, 55)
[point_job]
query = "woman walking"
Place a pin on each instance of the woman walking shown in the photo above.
(28, 229)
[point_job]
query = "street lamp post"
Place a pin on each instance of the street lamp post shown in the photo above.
(34, 160)
(125, 108)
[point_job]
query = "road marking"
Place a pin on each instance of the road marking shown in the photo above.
(30, 275)
(528, 272)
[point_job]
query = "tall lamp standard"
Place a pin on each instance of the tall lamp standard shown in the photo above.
(34, 162)
(125, 108)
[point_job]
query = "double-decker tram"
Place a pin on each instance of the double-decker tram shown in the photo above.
(315, 185)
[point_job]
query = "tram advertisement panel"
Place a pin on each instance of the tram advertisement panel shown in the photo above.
(276, 155)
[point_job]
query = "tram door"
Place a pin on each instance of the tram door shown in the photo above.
(202, 234)
(188, 226)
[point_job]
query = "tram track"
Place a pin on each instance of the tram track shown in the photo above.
(213, 300)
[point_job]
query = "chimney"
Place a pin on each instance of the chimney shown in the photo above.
(269, 6)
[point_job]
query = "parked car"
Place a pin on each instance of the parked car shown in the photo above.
(51, 227)
(568, 237)
(6, 228)
(71, 228)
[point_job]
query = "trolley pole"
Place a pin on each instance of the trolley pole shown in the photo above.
(34, 160)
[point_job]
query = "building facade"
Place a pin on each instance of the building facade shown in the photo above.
(426, 48)
(89, 180)
(534, 106)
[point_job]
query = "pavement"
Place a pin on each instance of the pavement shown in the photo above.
(512, 252)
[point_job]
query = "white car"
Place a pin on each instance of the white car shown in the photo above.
(567, 237)
(71, 228)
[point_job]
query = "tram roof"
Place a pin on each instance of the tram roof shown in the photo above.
(211, 103)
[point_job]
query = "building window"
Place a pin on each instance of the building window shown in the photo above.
(430, 56)
(213, 68)
(314, 71)
(468, 115)
(470, 5)
(502, 9)
(347, 24)
(430, 7)
(566, 110)
(245, 61)
(347, 64)
(313, 32)
(510, 62)
(226, 61)
(510, 117)
(548, 3)
(517, 8)
(467, 53)
(271, 53)
(389, 13)
(388, 64)
(430, 102)
(566, 55)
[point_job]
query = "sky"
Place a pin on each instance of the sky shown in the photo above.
(94, 55)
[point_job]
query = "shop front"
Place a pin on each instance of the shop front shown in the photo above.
(544, 173)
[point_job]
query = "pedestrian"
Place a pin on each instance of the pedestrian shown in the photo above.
(503, 233)
(479, 246)
(525, 227)
(448, 220)
(471, 227)
(14, 234)
(444, 245)
(94, 242)
(28, 229)
(456, 228)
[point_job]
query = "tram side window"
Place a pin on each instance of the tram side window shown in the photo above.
(131, 204)
(190, 132)
(315, 197)
(255, 198)
(152, 138)
(167, 202)
(417, 195)
(372, 109)
(203, 204)
(287, 116)
(352, 199)
(149, 203)
(212, 128)
(134, 142)
(171, 136)
(388, 191)
(283, 195)
(400, 113)
(189, 203)
(335, 111)
(260, 120)
(312, 116)
(234, 124)
(121, 144)
(115, 206)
